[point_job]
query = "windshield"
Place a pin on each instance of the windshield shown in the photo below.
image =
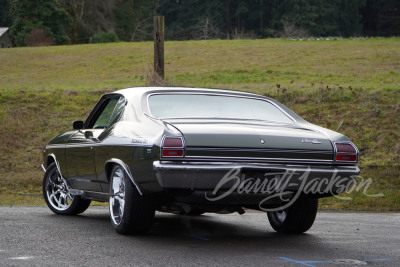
(214, 106)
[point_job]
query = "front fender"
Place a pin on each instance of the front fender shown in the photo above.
(50, 158)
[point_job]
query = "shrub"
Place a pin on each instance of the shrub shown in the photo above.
(104, 37)
(38, 37)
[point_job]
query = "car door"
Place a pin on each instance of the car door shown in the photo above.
(80, 151)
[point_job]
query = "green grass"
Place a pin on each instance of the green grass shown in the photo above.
(253, 65)
(42, 90)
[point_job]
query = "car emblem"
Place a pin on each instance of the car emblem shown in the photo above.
(262, 141)
(313, 141)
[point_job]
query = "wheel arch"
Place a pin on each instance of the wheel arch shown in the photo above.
(110, 165)
(51, 158)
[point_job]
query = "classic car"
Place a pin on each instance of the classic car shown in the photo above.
(193, 150)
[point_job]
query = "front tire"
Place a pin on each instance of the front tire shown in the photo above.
(296, 219)
(130, 212)
(57, 196)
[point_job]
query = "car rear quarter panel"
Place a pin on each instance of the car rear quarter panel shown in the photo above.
(136, 144)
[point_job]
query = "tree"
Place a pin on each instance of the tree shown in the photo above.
(350, 19)
(389, 18)
(205, 29)
(89, 17)
(134, 18)
(184, 18)
(75, 9)
(316, 17)
(40, 14)
(5, 14)
(131, 20)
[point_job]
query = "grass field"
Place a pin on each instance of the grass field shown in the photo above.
(252, 65)
(42, 90)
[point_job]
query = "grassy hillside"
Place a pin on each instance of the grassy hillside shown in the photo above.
(42, 90)
(253, 65)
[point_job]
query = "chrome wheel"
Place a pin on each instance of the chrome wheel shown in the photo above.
(57, 192)
(57, 195)
(117, 196)
(130, 212)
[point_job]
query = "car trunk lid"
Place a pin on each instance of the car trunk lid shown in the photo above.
(253, 140)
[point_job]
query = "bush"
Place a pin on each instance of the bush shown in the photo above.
(104, 37)
(38, 37)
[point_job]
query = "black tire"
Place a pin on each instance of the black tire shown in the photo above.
(296, 219)
(137, 211)
(57, 197)
(195, 212)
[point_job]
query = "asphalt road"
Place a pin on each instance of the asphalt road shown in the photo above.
(33, 236)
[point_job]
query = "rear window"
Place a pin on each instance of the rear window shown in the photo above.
(213, 106)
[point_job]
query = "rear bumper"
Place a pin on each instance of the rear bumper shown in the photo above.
(255, 178)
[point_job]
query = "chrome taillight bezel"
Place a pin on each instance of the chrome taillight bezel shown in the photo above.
(336, 153)
(180, 148)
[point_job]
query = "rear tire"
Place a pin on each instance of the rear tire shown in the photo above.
(130, 212)
(195, 212)
(57, 196)
(296, 219)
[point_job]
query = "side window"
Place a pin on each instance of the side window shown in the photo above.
(106, 112)
(104, 117)
(101, 118)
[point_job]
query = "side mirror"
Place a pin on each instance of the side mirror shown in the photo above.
(77, 125)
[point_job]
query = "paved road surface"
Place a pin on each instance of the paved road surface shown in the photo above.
(33, 236)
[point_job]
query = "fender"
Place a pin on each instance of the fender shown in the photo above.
(126, 169)
(72, 191)
(55, 161)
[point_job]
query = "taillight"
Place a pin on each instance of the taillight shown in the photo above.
(345, 152)
(172, 147)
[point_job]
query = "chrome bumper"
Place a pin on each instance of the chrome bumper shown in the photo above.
(207, 176)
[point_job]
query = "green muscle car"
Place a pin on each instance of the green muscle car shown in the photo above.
(195, 150)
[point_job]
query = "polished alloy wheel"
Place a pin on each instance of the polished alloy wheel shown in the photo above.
(57, 192)
(117, 197)
(130, 212)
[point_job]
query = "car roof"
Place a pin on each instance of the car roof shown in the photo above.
(135, 91)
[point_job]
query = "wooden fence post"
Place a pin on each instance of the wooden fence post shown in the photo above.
(159, 45)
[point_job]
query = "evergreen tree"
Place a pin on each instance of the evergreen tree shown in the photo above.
(388, 23)
(5, 14)
(132, 20)
(350, 19)
(40, 15)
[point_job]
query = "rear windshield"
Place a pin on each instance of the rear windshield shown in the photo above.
(213, 106)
